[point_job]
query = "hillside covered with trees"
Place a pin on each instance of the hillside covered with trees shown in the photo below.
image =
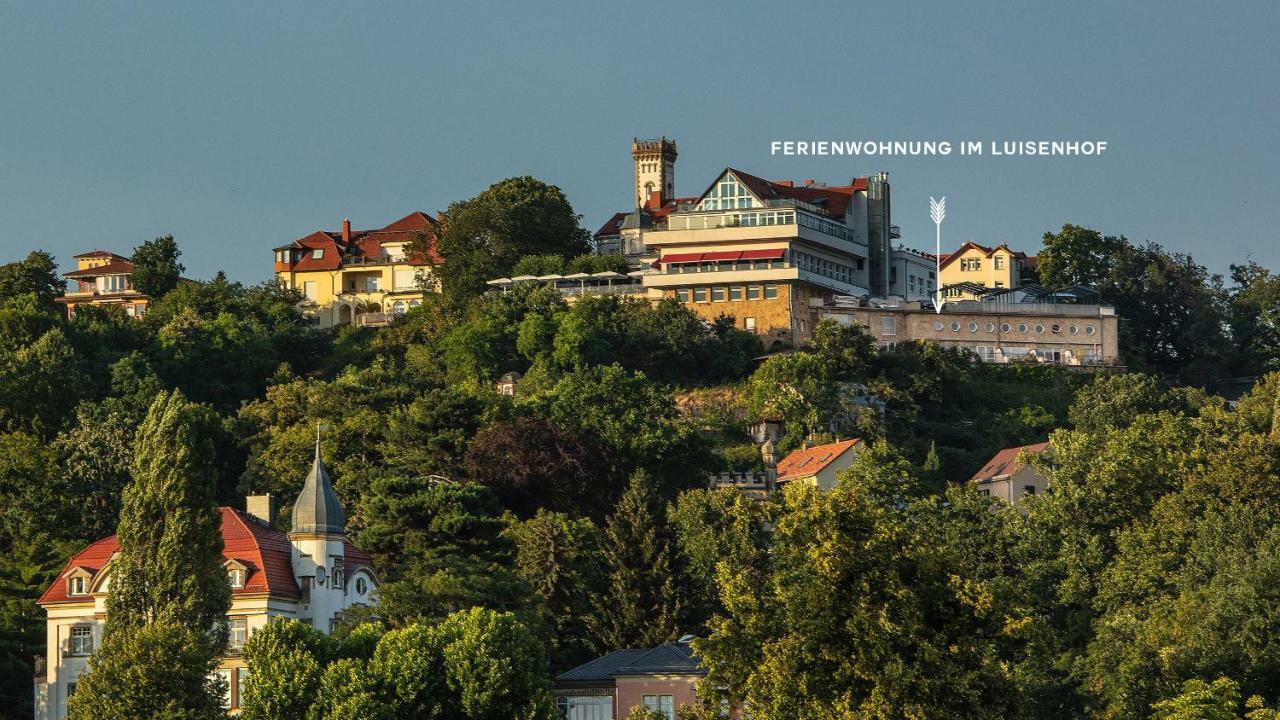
(518, 536)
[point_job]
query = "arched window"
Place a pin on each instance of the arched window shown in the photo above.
(398, 308)
(414, 304)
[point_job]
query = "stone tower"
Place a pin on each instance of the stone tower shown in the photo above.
(655, 171)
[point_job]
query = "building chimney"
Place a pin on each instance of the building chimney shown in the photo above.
(262, 508)
(346, 231)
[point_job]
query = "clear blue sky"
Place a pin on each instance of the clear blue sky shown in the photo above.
(240, 126)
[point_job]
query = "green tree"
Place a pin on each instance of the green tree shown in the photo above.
(286, 660)
(169, 592)
(559, 558)
(440, 548)
(483, 238)
(1078, 256)
(37, 274)
(641, 606)
(1219, 700)
(156, 269)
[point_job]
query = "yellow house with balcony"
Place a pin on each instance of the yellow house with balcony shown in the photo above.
(360, 277)
(103, 278)
(965, 272)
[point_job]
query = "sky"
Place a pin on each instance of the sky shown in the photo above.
(237, 127)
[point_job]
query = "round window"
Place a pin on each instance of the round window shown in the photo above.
(973, 327)
(362, 586)
(1022, 327)
(1074, 329)
(955, 326)
(937, 325)
(1056, 329)
(1004, 327)
(1089, 330)
(1039, 329)
(991, 327)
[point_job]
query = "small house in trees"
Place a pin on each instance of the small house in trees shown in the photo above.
(506, 384)
(105, 279)
(818, 465)
(610, 687)
(1009, 476)
(312, 573)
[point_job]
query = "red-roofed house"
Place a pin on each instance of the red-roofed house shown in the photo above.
(818, 465)
(1009, 476)
(102, 278)
(311, 574)
(365, 277)
(988, 267)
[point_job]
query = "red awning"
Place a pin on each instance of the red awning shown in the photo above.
(686, 257)
(767, 254)
(723, 255)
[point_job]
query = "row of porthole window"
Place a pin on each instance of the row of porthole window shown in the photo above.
(1023, 328)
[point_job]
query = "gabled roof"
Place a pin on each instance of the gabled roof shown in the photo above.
(1022, 257)
(834, 199)
(811, 461)
(1006, 462)
(119, 266)
(363, 243)
(266, 553)
(668, 659)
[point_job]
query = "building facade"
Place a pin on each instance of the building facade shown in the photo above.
(819, 464)
(311, 574)
(768, 253)
(1008, 475)
(103, 278)
(999, 332)
(359, 277)
(663, 678)
(984, 267)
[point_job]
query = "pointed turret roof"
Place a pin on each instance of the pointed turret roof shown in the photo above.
(317, 509)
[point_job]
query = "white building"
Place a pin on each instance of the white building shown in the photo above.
(311, 574)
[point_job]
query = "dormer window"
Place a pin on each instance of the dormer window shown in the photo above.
(317, 254)
(236, 576)
(77, 585)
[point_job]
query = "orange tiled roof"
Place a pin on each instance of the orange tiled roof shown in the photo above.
(1005, 462)
(365, 243)
(811, 461)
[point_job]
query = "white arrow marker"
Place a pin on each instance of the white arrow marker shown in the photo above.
(938, 211)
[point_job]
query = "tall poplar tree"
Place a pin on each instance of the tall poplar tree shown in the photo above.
(169, 593)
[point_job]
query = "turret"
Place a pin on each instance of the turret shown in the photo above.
(319, 547)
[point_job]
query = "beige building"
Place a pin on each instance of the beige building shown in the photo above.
(766, 252)
(1009, 476)
(360, 277)
(999, 332)
(977, 266)
(311, 574)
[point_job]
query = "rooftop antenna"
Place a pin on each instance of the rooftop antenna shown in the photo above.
(938, 211)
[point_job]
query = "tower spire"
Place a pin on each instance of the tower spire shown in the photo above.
(317, 509)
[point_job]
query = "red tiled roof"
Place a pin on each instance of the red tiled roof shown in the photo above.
(115, 267)
(612, 226)
(811, 461)
(99, 253)
(266, 553)
(1027, 260)
(1006, 462)
(833, 198)
(365, 243)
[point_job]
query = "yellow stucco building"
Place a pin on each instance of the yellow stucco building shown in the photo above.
(103, 278)
(973, 267)
(360, 277)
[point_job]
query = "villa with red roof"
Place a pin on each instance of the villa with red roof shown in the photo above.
(973, 269)
(819, 464)
(361, 277)
(1009, 476)
(312, 573)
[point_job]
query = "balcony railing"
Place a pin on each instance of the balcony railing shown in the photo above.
(677, 269)
(374, 319)
(602, 290)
